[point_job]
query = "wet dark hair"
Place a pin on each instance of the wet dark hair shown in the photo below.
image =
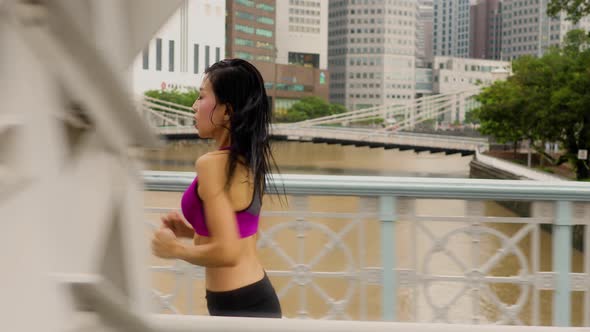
(239, 86)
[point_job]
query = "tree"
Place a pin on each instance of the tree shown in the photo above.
(309, 108)
(470, 118)
(546, 100)
(186, 98)
(575, 9)
(501, 111)
(571, 101)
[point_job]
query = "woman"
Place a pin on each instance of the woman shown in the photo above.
(223, 203)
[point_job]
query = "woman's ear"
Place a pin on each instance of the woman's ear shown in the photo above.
(228, 112)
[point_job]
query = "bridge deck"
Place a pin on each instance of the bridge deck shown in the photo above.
(359, 137)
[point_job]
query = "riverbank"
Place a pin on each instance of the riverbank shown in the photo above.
(565, 170)
(490, 165)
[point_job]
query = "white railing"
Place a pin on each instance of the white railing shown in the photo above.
(370, 248)
(410, 113)
(166, 116)
(167, 323)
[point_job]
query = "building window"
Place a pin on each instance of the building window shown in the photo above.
(247, 3)
(265, 20)
(264, 32)
(244, 42)
(146, 58)
(217, 54)
(171, 55)
(265, 7)
(196, 58)
(244, 29)
(263, 58)
(159, 54)
(304, 59)
(245, 16)
(207, 57)
(243, 55)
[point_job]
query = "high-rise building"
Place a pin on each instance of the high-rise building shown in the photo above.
(528, 30)
(567, 26)
(371, 51)
(252, 35)
(250, 27)
(486, 30)
(451, 28)
(182, 49)
(302, 33)
(424, 52)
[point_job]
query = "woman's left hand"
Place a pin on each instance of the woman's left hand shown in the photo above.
(165, 243)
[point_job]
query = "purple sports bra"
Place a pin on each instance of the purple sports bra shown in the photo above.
(192, 209)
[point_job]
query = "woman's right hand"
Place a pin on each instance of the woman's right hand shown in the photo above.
(175, 222)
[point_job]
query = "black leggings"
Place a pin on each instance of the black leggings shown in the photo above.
(255, 300)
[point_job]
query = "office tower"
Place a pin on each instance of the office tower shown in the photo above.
(528, 30)
(424, 51)
(252, 28)
(302, 33)
(486, 30)
(372, 51)
(451, 28)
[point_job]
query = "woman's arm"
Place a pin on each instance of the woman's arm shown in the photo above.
(223, 249)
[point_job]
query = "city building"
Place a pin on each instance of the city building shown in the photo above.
(425, 30)
(372, 48)
(451, 28)
(459, 74)
(528, 30)
(486, 30)
(455, 74)
(177, 56)
(290, 72)
(302, 33)
(250, 28)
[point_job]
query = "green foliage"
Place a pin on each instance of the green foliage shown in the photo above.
(576, 9)
(185, 98)
(547, 170)
(546, 100)
(309, 108)
(471, 118)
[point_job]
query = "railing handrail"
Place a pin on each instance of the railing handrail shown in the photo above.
(179, 323)
(150, 99)
(452, 188)
(152, 106)
(376, 110)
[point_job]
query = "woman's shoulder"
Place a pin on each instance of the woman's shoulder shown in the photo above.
(211, 159)
(210, 169)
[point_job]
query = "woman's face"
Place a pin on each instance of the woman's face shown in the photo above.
(210, 117)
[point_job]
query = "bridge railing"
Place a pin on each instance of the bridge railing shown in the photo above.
(409, 112)
(170, 117)
(163, 114)
(408, 249)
